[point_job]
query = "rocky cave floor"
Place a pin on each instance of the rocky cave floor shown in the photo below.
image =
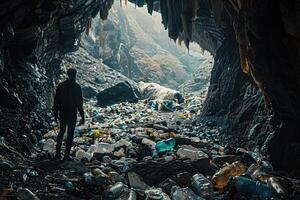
(140, 150)
(116, 156)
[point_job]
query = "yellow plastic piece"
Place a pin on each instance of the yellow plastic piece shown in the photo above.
(182, 116)
(97, 133)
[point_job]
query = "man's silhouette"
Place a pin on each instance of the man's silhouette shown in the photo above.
(67, 101)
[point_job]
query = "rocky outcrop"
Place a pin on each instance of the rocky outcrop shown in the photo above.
(121, 92)
(93, 75)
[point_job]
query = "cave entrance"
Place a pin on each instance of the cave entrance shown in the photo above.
(136, 44)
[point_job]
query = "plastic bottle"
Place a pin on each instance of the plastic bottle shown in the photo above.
(278, 184)
(221, 178)
(252, 188)
(156, 194)
(2, 141)
(149, 143)
(132, 195)
(121, 143)
(178, 193)
(165, 145)
(201, 185)
(88, 178)
(80, 154)
(49, 146)
(101, 148)
(188, 151)
(114, 192)
(250, 156)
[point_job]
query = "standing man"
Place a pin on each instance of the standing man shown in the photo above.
(67, 101)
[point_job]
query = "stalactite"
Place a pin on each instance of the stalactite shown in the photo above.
(174, 22)
(150, 6)
(89, 26)
(164, 12)
(140, 3)
(105, 8)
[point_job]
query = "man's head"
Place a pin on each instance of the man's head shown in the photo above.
(72, 73)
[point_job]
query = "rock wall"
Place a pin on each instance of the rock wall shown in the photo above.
(34, 35)
(262, 36)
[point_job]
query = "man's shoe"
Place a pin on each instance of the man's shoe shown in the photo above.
(57, 157)
(68, 158)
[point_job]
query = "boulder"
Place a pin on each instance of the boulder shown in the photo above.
(88, 92)
(154, 91)
(121, 92)
(156, 171)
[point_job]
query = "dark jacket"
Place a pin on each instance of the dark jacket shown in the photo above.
(68, 99)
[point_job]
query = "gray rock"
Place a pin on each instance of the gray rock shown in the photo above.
(137, 182)
(121, 92)
(100, 79)
(88, 92)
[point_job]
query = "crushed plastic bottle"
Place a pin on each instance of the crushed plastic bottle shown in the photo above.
(178, 193)
(201, 185)
(2, 141)
(252, 188)
(188, 151)
(116, 177)
(132, 195)
(88, 178)
(165, 145)
(80, 154)
(250, 155)
(221, 178)
(279, 184)
(149, 143)
(49, 146)
(121, 143)
(106, 159)
(156, 194)
(101, 147)
(114, 192)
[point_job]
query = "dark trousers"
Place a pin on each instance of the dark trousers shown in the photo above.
(64, 122)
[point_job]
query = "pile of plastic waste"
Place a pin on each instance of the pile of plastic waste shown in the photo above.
(138, 152)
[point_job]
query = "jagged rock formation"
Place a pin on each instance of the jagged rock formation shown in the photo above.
(261, 36)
